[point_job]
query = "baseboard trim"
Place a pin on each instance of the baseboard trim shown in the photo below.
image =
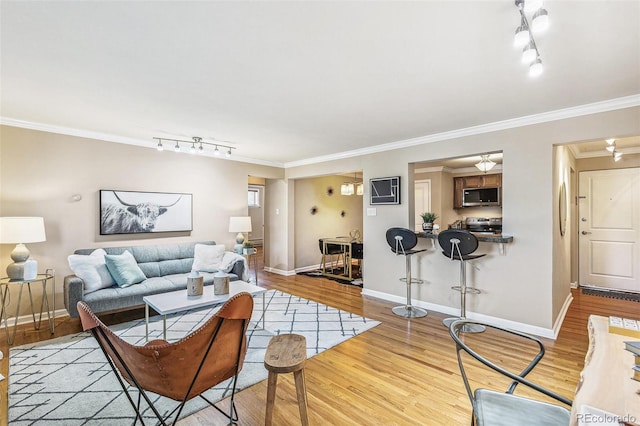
(561, 315)
(279, 271)
(28, 318)
(499, 322)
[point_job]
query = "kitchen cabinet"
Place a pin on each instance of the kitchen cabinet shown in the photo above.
(477, 181)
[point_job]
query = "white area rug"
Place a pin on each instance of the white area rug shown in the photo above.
(67, 381)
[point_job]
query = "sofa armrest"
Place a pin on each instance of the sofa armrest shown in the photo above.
(73, 293)
(238, 268)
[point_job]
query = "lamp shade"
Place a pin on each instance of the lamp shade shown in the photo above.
(240, 224)
(15, 230)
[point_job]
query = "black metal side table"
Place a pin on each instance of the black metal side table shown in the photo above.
(48, 276)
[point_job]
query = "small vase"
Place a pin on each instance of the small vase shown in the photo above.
(427, 226)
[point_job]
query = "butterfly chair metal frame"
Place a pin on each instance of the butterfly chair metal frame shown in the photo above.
(496, 408)
(238, 309)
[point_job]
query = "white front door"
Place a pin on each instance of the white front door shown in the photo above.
(609, 229)
(422, 200)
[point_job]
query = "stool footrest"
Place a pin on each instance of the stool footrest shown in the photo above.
(468, 290)
(413, 281)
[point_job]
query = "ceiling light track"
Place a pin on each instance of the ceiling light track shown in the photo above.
(195, 146)
(524, 33)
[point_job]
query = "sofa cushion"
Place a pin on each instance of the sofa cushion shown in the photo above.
(207, 258)
(92, 269)
(124, 269)
(116, 298)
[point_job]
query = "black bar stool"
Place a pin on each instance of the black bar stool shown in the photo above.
(401, 241)
(458, 245)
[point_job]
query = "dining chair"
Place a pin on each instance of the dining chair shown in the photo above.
(493, 408)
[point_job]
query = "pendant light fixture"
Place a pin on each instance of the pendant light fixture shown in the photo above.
(485, 163)
(351, 188)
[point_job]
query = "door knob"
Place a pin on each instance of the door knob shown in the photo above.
(585, 233)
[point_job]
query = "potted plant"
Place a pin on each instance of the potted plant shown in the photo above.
(247, 248)
(428, 218)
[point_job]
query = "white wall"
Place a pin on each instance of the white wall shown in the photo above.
(40, 172)
(519, 286)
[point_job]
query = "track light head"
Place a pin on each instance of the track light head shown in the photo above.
(536, 68)
(532, 5)
(160, 147)
(540, 21)
(177, 147)
(216, 151)
(529, 54)
(522, 35)
(228, 153)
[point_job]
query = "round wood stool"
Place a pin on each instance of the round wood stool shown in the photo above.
(286, 353)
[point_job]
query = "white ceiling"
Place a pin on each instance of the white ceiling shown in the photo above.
(287, 82)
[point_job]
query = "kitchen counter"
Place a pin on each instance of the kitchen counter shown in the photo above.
(501, 239)
(484, 237)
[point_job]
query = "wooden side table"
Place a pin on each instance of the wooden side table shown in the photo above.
(48, 276)
(286, 353)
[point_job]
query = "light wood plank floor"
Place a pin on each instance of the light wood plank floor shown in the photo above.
(402, 372)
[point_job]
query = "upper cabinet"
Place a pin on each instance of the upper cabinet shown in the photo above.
(478, 181)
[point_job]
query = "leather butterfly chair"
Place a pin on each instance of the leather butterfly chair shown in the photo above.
(182, 370)
(492, 408)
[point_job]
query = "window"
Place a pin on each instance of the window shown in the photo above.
(253, 198)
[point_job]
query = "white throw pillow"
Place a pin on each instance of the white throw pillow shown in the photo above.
(92, 269)
(207, 258)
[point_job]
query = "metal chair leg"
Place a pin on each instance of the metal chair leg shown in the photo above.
(408, 310)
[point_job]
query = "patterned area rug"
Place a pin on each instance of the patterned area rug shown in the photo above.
(67, 381)
(356, 281)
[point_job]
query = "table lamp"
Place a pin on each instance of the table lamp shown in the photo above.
(239, 224)
(20, 230)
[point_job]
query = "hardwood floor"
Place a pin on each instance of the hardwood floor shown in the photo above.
(402, 372)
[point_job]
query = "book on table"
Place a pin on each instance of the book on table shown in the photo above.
(633, 347)
(636, 373)
(624, 326)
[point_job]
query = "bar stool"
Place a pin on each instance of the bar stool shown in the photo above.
(458, 245)
(402, 241)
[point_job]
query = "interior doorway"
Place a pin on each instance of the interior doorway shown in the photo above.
(422, 199)
(609, 229)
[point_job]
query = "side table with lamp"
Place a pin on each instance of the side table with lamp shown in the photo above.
(239, 224)
(24, 270)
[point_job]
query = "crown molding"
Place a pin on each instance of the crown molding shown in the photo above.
(560, 114)
(545, 117)
(88, 134)
(605, 153)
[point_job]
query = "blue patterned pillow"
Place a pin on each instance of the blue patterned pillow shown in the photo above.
(124, 269)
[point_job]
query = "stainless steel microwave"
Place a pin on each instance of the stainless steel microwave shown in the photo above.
(472, 197)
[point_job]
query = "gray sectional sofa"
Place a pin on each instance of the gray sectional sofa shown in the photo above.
(166, 268)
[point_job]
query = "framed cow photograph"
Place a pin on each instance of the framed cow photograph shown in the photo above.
(134, 212)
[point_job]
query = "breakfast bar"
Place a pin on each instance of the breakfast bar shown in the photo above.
(500, 239)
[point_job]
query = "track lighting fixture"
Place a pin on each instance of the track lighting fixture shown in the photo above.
(611, 147)
(524, 33)
(197, 146)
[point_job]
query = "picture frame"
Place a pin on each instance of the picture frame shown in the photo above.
(138, 212)
(385, 190)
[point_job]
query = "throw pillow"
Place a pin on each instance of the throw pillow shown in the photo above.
(207, 258)
(92, 269)
(124, 269)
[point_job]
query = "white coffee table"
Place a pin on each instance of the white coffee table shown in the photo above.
(178, 301)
